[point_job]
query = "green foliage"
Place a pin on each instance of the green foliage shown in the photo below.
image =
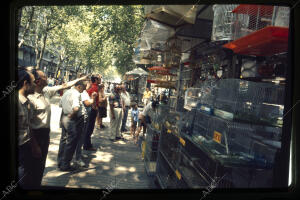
(90, 36)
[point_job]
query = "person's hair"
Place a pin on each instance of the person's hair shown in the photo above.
(80, 83)
(133, 104)
(34, 71)
(94, 79)
(23, 76)
(154, 104)
(101, 86)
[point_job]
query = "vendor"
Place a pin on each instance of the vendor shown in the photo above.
(144, 117)
(147, 96)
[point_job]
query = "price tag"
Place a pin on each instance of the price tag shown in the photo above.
(177, 118)
(169, 131)
(178, 174)
(217, 137)
(182, 141)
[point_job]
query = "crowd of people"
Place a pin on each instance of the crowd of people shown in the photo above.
(84, 105)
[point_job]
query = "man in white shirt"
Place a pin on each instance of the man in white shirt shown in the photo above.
(40, 122)
(125, 106)
(144, 117)
(87, 104)
(72, 125)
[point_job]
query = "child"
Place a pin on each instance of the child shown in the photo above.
(134, 120)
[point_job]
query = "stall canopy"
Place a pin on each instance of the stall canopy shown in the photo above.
(173, 15)
(154, 35)
(137, 71)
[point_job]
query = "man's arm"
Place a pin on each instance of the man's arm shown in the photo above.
(75, 105)
(52, 90)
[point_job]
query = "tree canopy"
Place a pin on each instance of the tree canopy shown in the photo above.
(93, 37)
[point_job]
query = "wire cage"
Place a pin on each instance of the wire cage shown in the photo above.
(224, 22)
(150, 156)
(259, 17)
(168, 177)
(265, 26)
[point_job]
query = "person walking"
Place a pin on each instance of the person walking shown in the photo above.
(72, 126)
(87, 144)
(27, 145)
(134, 120)
(115, 114)
(125, 97)
(102, 106)
(146, 96)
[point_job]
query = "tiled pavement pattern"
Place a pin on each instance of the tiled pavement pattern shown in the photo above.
(114, 163)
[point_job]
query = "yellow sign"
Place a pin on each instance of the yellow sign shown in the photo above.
(178, 174)
(169, 131)
(182, 141)
(217, 137)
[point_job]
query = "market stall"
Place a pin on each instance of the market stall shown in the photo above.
(136, 84)
(223, 113)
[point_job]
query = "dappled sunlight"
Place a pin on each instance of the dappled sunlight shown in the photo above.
(103, 156)
(54, 173)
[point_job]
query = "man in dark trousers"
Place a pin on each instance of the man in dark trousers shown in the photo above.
(87, 144)
(72, 125)
(27, 147)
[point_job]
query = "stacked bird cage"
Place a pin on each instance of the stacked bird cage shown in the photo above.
(260, 16)
(152, 138)
(224, 22)
(173, 52)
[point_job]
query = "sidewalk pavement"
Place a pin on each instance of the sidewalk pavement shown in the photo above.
(114, 163)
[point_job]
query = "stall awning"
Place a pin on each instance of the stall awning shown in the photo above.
(173, 15)
(137, 71)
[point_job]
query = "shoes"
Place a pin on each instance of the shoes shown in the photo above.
(90, 149)
(80, 163)
(124, 130)
(119, 138)
(67, 169)
(84, 156)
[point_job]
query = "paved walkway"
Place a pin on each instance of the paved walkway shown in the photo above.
(114, 163)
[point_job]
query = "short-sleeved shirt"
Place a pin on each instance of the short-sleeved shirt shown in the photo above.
(115, 100)
(147, 95)
(126, 98)
(135, 114)
(148, 110)
(84, 96)
(94, 88)
(24, 117)
(70, 100)
(41, 108)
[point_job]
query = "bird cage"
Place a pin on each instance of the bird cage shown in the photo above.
(223, 22)
(259, 17)
(173, 52)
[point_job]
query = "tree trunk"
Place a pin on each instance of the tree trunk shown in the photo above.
(27, 26)
(42, 51)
